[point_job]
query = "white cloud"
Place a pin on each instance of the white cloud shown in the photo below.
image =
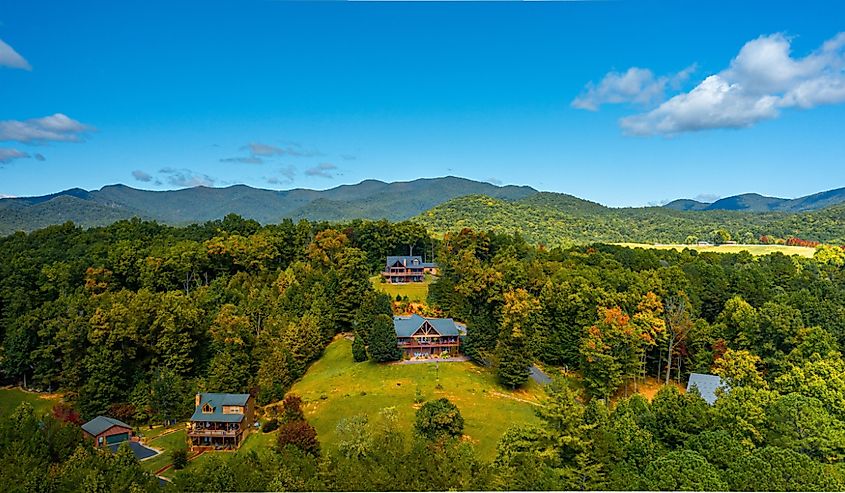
(324, 170)
(287, 175)
(57, 127)
(761, 81)
(187, 178)
(142, 176)
(11, 58)
(8, 155)
(635, 85)
(243, 159)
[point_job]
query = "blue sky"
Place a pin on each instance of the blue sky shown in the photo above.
(625, 102)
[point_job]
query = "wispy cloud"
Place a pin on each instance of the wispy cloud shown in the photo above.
(11, 58)
(348, 157)
(708, 198)
(142, 176)
(285, 177)
(53, 128)
(759, 83)
(186, 178)
(8, 155)
(324, 170)
(243, 160)
(494, 181)
(635, 85)
(258, 152)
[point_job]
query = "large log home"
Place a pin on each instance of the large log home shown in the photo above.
(421, 337)
(220, 421)
(408, 268)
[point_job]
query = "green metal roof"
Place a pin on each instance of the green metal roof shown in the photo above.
(217, 401)
(101, 424)
(405, 326)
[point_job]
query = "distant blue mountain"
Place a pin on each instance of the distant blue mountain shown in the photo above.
(753, 202)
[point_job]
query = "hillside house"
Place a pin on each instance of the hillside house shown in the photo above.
(421, 337)
(220, 421)
(105, 431)
(408, 268)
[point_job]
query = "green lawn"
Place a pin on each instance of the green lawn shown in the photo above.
(752, 249)
(166, 444)
(336, 387)
(10, 399)
(415, 291)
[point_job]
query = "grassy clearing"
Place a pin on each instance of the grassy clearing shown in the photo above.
(752, 249)
(11, 398)
(165, 443)
(415, 291)
(336, 387)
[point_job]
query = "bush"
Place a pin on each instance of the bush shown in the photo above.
(292, 409)
(439, 418)
(179, 458)
(298, 434)
(270, 425)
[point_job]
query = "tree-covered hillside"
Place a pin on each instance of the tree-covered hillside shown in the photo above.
(559, 220)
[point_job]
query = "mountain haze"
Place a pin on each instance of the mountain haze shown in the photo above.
(371, 199)
(754, 202)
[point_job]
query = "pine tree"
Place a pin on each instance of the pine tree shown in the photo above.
(383, 343)
(359, 352)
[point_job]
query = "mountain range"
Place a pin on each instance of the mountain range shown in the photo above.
(442, 204)
(370, 199)
(754, 202)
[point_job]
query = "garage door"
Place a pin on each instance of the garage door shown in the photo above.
(120, 437)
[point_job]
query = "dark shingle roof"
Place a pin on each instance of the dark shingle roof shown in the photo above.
(101, 424)
(405, 326)
(706, 385)
(217, 401)
(408, 261)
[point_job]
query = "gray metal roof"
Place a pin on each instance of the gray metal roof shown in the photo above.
(408, 261)
(101, 424)
(706, 385)
(405, 326)
(217, 401)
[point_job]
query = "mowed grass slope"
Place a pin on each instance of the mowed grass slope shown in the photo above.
(415, 291)
(752, 249)
(336, 387)
(10, 399)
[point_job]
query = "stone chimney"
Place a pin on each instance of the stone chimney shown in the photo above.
(197, 401)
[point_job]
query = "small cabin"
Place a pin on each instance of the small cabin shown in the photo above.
(104, 431)
(408, 268)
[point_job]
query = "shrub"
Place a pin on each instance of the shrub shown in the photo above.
(179, 457)
(439, 418)
(270, 425)
(298, 434)
(292, 409)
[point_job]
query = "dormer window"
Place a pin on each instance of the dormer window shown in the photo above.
(207, 409)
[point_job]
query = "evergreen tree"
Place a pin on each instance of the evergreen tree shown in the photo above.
(383, 342)
(359, 351)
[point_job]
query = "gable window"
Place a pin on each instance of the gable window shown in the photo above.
(207, 408)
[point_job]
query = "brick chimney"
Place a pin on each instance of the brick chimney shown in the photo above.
(197, 401)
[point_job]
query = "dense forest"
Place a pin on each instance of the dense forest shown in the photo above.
(554, 219)
(133, 318)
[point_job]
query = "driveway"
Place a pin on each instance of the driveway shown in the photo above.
(141, 452)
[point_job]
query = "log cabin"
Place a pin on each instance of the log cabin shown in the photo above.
(408, 268)
(423, 337)
(220, 421)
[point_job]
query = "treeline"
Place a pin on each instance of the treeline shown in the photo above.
(132, 319)
(560, 220)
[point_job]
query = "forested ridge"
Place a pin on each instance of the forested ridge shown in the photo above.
(555, 219)
(132, 319)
